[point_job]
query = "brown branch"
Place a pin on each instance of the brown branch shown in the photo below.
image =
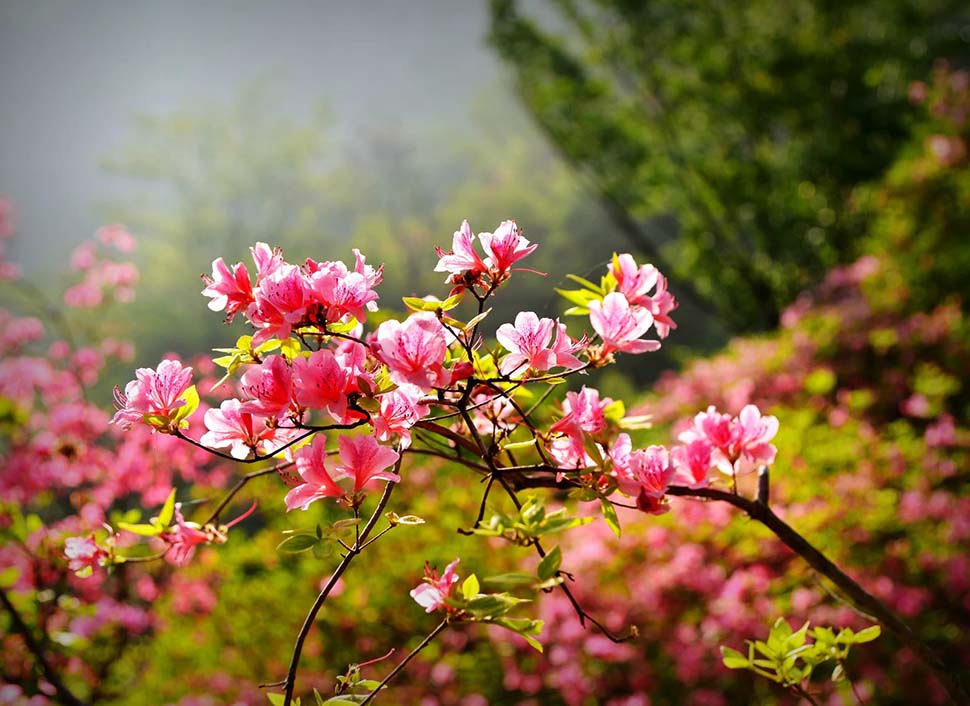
(322, 596)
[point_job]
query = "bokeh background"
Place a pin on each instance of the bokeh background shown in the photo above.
(798, 169)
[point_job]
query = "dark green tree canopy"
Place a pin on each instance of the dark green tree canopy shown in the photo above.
(726, 138)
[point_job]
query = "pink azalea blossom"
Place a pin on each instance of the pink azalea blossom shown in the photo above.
(583, 412)
(620, 325)
(414, 351)
(83, 554)
(646, 471)
(230, 289)
(317, 482)
(462, 257)
(693, 462)
(635, 282)
(528, 342)
(267, 260)
(270, 385)
(401, 409)
(118, 237)
(341, 292)
(364, 460)
(753, 432)
(569, 452)
(243, 431)
(279, 304)
(432, 594)
(565, 349)
(745, 436)
(183, 538)
(155, 392)
(505, 247)
(320, 382)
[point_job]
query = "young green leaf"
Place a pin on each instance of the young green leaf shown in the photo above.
(549, 566)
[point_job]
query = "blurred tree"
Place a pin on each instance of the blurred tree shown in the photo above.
(215, 180)
(749, 123)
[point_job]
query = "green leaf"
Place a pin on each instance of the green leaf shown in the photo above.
(276, 699)
(733, 659)
(9, 576)
(168, 509)
(140, 529)
(469, 589)
(549, 566)
(867, 635)
(317, 697)
(609, 514)
(452, 301)
(492, 605)
(477, 319)
(586, 283)
(525, 627)
(510, 579)
(297, 543)
(516, 445)
(191, 398)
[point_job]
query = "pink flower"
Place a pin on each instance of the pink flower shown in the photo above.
(462, 257)
(505, 247)
(117, 236)
(620, 325)
(342, 292)
(230, 290)
(267, 260)
(183, 538)
(565, 347)
(528, 340)
(317, 482)
(432, 594)
(400, 410)
(153, 392)
(635, 283)
(270, 385)
(364, 460)
(752, 434)
(643, 471)
(279, 304)
(414, 351)
(693, 462)
(746, 435)
(584, 412)
(320, 382)
(83, 555)
(245, 432)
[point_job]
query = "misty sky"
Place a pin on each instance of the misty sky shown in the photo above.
(72, 75)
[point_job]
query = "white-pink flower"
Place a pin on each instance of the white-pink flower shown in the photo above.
(434, 590)
(620, 325)
(401, 409)
(462, 257)
(528, 342)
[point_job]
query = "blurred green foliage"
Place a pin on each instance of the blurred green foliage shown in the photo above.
(726, 139)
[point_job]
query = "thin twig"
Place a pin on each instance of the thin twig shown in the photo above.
(322, 596)
(394, 672)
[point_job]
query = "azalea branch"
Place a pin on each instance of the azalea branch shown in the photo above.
(64, 694)
(240, 484)
(322, 596)
(255, 459)
(404, 662)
